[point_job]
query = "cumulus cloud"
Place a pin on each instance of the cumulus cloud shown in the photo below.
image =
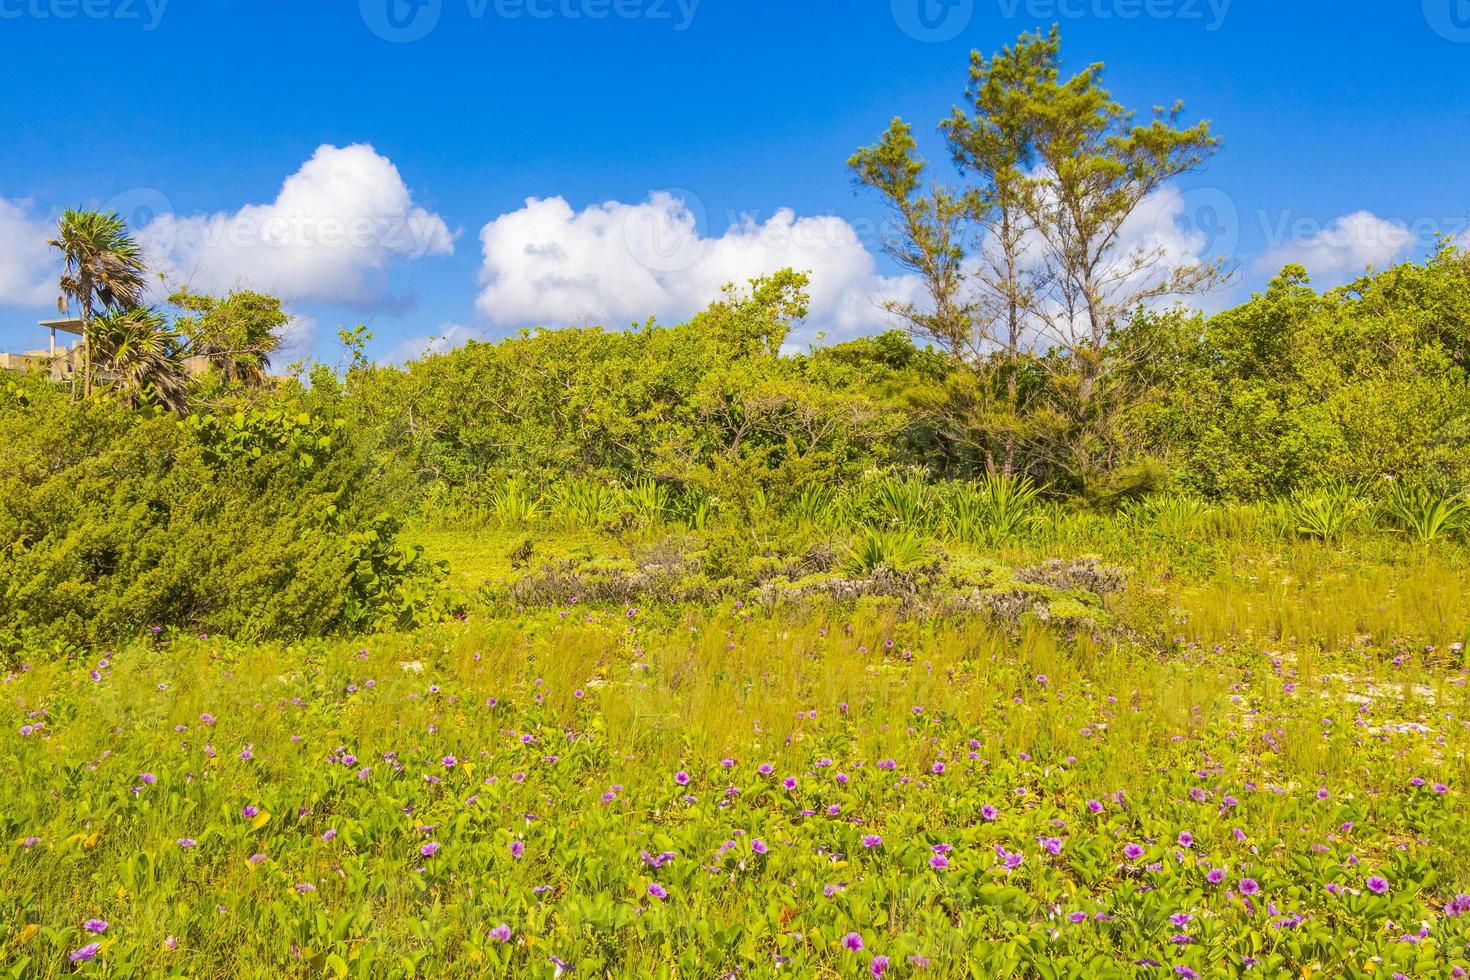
(329, 236)
(29, 268)
(1344, 246)
(616, 263)
(450, 336)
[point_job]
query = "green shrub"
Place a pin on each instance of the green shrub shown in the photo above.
(260, 524)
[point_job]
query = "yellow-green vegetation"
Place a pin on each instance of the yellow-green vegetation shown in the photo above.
(831, 791)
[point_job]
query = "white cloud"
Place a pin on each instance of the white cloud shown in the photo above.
(450, 336)
(329, 236)
(617, 263)
(29, 268)
(1344, 246)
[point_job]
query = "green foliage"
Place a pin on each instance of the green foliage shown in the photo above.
(994, 508)
(1363, 383)
(259, 524)
(1426, 515)
(514, 504)
(236, 335)
(1328, 512)
(897, 551)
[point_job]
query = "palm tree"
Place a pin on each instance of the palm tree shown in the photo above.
(103, 265)
(141, 355)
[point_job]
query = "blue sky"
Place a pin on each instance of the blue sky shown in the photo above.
(1345, 127)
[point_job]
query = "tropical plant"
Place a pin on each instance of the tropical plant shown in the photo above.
(237, 335)
(650, 501)
(102, 265)
(1426, 515)
(994, 508)
(813, 507)
(135, 352)
(1328, 512)
(898, 551)
(1174, 515)
(582, 503)
(903, 502)
(514, 504)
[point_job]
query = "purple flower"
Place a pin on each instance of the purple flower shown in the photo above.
(95, 926)
(517, 848)
(328, 835)
(85, 954)
(147, 778)
(249, 811)
(1215, 876)
(1133, 852)
(758, 846)
(430, 849)
(1077, 917)
(501, 933)
(1186, 972)
(989, 812)
(789, 783)
(681, 777)
(852, 941)
(1377, 884)
(657, 891)
(187, 842)
(1249, 886)
(939, 862)
(871, 841)
(879, 966)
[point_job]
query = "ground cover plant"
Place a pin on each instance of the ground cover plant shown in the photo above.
(842, 792)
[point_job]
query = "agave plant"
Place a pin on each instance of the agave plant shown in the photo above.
(813, 507)
(903, 502)
(1426, 515)
(1328, 512)
(649, 501)
(583, 503)
(995, 508)
(514, 505)
(897, 550)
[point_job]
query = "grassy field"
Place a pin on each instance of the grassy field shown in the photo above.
(1266, 772)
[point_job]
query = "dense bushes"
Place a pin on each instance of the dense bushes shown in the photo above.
(274, 511)
(1365, 383)
(261, 523)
